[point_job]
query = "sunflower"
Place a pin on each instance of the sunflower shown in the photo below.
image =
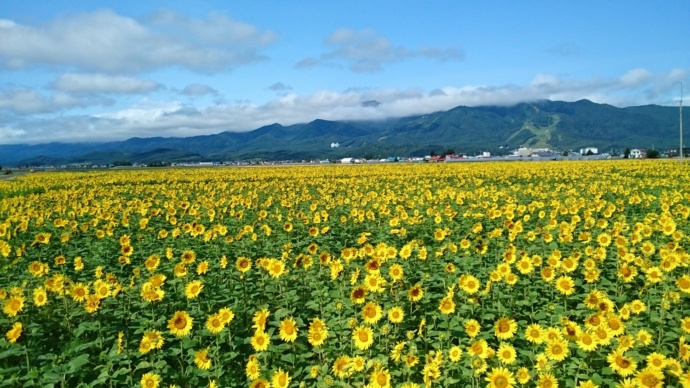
(380, 378)
(152, 263)
(41, 238)
(340, 367)
(193, 289)
(260, 383)
(201, 359)
(506, 354)
(259, 319)
(552, 334)
(214, 323)
(637, 306)
(363, 337)
(649, 378)
(180, 324)
(603, 335)
(592, 299)
(372, 313)
(547, 380)
(627, 272)
(500, 378)
(479, 348)
(479, 366)
(243, 264)
(252, 369)
(547, 274)
(565, 285)
(674, 367)
(202, 268)
(411, 360)
(644, 337)
(14, 333)
(621, 364)
(40, 296)
(447, 306)
(534, 333)
(357, 363)
(523, 375)
(505, 328)
(101, 289)
(396, 314)
(188, 257)
(472, 328)
(557, 350)
(616, 325)
(683, 283)
(120, 342)
(156, 338)
(395, 272)
(587, 342)
(280, 379)
(525, 265)
(455, 353)
(150, 293)
(79, 292)
(288, 330)
(469, 284)
(145, 345)
(317, 337)
(415, 293)
(260, 341)
(357, 295)
(150, 380)
(654, 274)
(656, 361)
(276, 268)
(374, 282)
(180, 270)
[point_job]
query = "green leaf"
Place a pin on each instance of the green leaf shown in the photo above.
(78, 362)
(596, 379)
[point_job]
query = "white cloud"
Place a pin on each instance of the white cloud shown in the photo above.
(25, 101)
(635, 77)
(104, 41)
(198, 90)
(366, 51)
(279, 87)
(100, 83)
(173, 118)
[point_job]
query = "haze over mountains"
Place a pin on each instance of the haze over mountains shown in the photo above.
(543, 124)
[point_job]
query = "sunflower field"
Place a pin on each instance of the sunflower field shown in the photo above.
(559, 274)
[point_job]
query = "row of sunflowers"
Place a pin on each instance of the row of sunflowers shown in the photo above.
(564, 274)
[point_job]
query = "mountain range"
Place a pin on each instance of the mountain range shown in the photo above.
(541, 124)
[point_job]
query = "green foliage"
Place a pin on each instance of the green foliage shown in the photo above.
(653, 154)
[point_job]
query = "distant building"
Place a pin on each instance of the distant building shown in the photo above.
(486, 154)
(335, 145)
(522, 151)
(346, 160)
(638, 153)
(543, 154)
(584, 151)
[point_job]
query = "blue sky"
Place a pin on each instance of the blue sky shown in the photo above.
(75, 71)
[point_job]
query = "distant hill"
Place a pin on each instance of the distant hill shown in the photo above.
(552, 124)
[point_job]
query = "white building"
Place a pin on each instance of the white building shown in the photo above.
(335, 145)
(584, 151)
(347, 160)
(638, 153)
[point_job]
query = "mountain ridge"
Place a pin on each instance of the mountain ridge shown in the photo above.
(543, 123)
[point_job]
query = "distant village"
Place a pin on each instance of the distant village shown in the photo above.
(520, 154)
